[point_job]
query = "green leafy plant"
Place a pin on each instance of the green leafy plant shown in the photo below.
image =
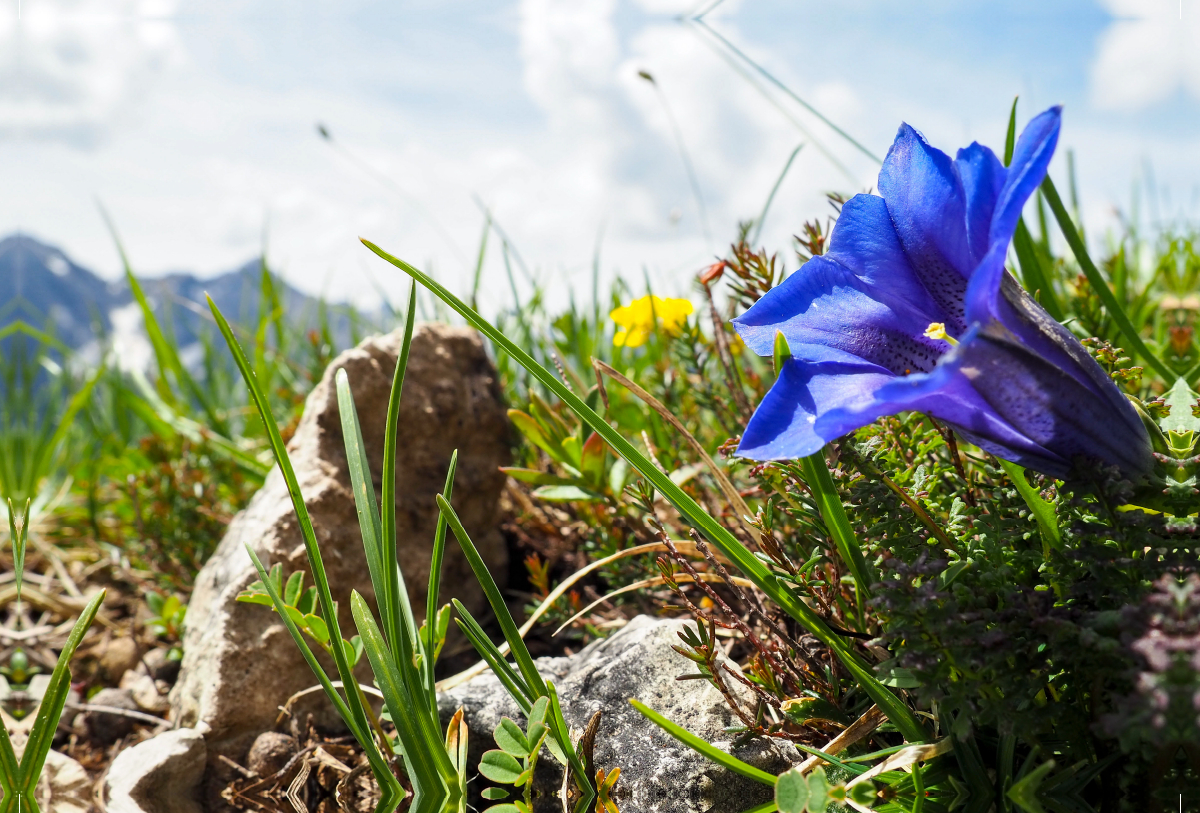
(524, 684)
(399, 659)
(515, 761)
(301, 606)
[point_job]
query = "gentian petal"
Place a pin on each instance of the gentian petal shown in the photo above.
(829, 314)
(924, 195)
(1031, 157)
(782, 426)
(949, 396)
(993, 296)
(864, 241)
(982, 177)
(1015, 404)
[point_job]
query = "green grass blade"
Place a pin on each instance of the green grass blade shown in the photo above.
(18, 535)
(483, 241)
(513, 683)
(43, 459)
(50, 710)
(10, 771)
(758, 224)
(816, 473)
(1010, 140)
(400, 612)
(315, 563)
(703, 747)
(165, 421)
(508, 626)
(562, 733)
(1043, 511)
(424, 747)
(165, 354)
(897, 711)
(435, 573)
(364, 494)
(1096, 279)
(1033, 272)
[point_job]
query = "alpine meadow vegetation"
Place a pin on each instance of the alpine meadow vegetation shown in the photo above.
(930, 498)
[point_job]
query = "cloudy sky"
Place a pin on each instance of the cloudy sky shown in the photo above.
(194, 123)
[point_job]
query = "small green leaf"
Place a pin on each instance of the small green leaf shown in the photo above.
(511, 738)
(780, 353)
(246, 597)
(791, 791)
(818, 791)
(573, 450)
(1043, 511)
(535, 477)
(308, 602)
(528, 427)
(492, 794)
(802, 710)
(895, 676)
(500, 766)
(155, 600)
(947, 576)
(864, 793)
(295, 584)
(565, 494)
(508, 807)
(1024, 793)
(537, 712)
(18, 534)
(315, 626)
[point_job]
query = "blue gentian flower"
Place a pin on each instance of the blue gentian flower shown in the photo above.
(912, 309)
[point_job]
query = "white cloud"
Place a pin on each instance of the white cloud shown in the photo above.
(1149, 52)
(68, 67)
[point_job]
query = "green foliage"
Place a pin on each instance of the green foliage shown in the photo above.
(515, 761)
(300, 606)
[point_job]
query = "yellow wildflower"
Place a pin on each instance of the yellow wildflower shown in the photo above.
(636, 320)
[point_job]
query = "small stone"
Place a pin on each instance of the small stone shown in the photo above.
(149, 694)
(118, 657)
(160, 775)
(105, 727)
(160, 665)
(270, 752)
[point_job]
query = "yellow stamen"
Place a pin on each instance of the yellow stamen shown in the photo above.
(937, 330)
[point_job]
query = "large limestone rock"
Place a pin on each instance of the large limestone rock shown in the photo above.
(658, 774)
(239, 663)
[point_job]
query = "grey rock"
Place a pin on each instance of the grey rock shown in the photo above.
(106, 727)
(270, 752)
(240, 665)
(658, 774)
(160, 775)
